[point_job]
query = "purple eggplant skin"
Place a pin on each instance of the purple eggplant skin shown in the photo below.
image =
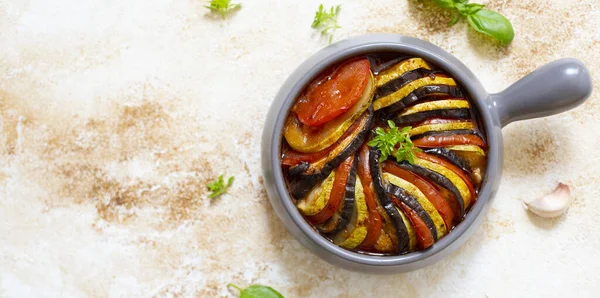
(451, 157)
(401, 81)
(420, 93)
(462, 114)
(386, 202)
(438, 179)
(300, 186)
(348, 202)
(412, 203)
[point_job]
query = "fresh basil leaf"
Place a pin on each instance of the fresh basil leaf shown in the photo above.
(455, 19)
(445, 3)
(257, 291)
(473, 8)
(493, 24)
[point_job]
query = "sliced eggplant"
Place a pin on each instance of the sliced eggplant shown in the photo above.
(474, 156)
(422, 200)
(406, 198)
(420, 93)
(452, 157)
(387, 72)
(317, 198)
(461, 114)
(408, 88)
(386, 202)
(320, 169)
(440, 180)
(355, 232)
(347, 205)
(402, 80)
(310, 139)
(456, 180)
(412, 236)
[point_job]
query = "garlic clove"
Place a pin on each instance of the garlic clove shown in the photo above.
(552, 204)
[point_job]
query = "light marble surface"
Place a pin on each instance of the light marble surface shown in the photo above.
(115, 114)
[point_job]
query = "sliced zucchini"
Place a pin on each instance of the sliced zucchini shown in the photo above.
(317, 198)
(355, 231)
(420, 93)
(412, 236)
(459, 114)
(441, 181)
(397, 70)
(450, 175)
(445, 104)
(454, 125)
(401, 234)
(309, 139)
(404, 91)
(415, 192)
(307, 177)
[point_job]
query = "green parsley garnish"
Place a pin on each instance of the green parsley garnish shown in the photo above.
(394, 142)
(219, 187)
(222, 7)
(326, 22)
(257, 291)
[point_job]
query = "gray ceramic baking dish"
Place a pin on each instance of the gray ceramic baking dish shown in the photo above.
(551, 89)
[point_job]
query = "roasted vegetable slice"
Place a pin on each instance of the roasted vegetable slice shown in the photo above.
(412, 235)
(420, 130)
(450, 156)
(355, 231)
(432, 194)
(374, 223)
(445, 104)
(456, 180)
(421, 93)
(474, 156)
(347, 208)
(425, 237)
(456, 202)
(337, 192)
(387, 204)
(445, 109)
(421, 203)
(310, 175)
(463, 176)
(390, 73)
(309, 139)
(334, 93)
(405, 90)
(317, 198)
(448, 138)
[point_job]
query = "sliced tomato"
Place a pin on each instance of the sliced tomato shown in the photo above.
(333, 93)
(374, 222)
(337, 192)
(424, 235)
(440, 141)
(452, 168)
(428, 189)
(292, 157)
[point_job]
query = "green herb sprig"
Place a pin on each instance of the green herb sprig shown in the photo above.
(393, 141)
(257, 291)
(222, 7)
(219, 187)
(482, 20)
(326, 21)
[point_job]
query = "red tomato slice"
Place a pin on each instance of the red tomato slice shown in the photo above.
(337, 192)
(333, 93)
(432, 194)
(374, 222)
(424, 236)
(452, 168)
(440, 141)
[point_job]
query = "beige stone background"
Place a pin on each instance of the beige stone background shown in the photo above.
(115, 114)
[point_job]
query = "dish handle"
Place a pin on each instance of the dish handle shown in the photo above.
(551, 89)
